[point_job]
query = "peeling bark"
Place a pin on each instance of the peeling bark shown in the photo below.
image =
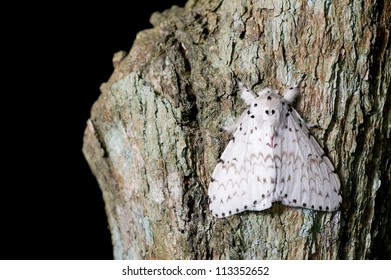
(153, 137)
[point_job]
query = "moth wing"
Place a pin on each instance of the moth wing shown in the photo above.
(305, 176)
(244, 177)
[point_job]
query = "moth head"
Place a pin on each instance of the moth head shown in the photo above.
(266, 91)
(266, 109)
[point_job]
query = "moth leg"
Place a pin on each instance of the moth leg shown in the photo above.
(231, 128)
(312, 125)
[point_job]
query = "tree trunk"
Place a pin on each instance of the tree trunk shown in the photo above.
(153, 138)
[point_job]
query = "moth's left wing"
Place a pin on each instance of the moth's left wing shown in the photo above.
(244, 177)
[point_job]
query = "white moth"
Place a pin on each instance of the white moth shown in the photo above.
(272, 157)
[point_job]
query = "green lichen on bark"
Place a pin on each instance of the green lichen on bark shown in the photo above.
(153, 137)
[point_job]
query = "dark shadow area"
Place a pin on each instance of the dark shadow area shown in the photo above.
(52, 207)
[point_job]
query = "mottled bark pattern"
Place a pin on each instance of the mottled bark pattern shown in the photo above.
(153, 138)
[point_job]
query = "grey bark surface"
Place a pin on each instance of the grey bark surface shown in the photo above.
(153, 137)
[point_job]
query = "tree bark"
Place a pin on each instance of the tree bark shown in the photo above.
(153, 138)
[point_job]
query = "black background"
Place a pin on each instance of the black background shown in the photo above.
(56, 58)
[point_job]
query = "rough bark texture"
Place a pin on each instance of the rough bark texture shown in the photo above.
(153, 138)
